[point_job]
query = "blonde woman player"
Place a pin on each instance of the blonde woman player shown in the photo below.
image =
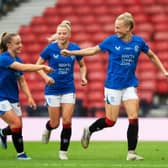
(60, 88)
(124, 49)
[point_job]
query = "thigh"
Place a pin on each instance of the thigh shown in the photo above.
(112, 103)
(132, 108)
(54, 114)
(68, 105)
(67, 112)
(11, 118)
(131, 102)
(54, 104)
(112, 111)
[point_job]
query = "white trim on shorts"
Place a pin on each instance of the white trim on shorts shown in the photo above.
(57, 100)
(114, 96)
(5, 106)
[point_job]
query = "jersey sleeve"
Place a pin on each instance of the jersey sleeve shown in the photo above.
(79, 57)
(45, 53)
(145, 47)
(6, 61)
(20, 61)
(104, 45)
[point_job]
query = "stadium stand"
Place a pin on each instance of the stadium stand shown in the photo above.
(8, 5)
(90, 26)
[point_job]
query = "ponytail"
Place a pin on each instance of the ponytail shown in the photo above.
(3, 47)
(5, 39)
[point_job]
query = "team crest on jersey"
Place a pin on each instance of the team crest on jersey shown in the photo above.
(136, 48)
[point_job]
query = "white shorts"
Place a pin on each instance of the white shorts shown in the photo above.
(114, 97)
(56, 100)
(5, 106)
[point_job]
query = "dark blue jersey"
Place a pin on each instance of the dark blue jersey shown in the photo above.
(8, 79)
(123, 58)
(63, 69)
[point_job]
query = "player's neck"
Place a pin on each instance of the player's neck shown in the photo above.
(12, 53)
(63, 45)
(128, 37)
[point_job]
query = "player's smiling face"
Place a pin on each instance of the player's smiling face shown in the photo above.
(63, 35)
(15, 45)
(121, 29)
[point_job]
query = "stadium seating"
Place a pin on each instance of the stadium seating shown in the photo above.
(92, 21)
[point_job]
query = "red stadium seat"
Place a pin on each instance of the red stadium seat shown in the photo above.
(162, 2)
(29, 40)
(50, 11)
(25, 30)
(97, 75)
(95, 86)
(146, 95)
(100, 10)
(82, 10)
(162, 48)
(161, 36)
(162, 87)
(39, 30)
(144, 26)
(93, 28)
(161, 27)
(159, 19)
(148, 3)
(37, 20)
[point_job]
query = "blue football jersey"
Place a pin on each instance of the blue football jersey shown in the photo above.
(8, 80)
(63, 69)
(123, 58)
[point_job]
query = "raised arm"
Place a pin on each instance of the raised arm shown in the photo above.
(84, 52)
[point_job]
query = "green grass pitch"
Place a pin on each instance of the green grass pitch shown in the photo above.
(98, 155)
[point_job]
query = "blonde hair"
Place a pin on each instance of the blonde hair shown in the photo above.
(128, 19)
(5, 39)
(64, 23)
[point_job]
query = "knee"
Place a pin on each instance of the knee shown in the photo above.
(54, 124)
(66, 121)
(16, 124)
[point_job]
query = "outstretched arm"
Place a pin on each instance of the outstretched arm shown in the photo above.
(29, 67)
(153, 57)
(84, 52)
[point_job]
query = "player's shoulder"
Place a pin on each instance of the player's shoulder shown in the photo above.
(112, 37)
(137, 38)
(4, 55)
(73, 45)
